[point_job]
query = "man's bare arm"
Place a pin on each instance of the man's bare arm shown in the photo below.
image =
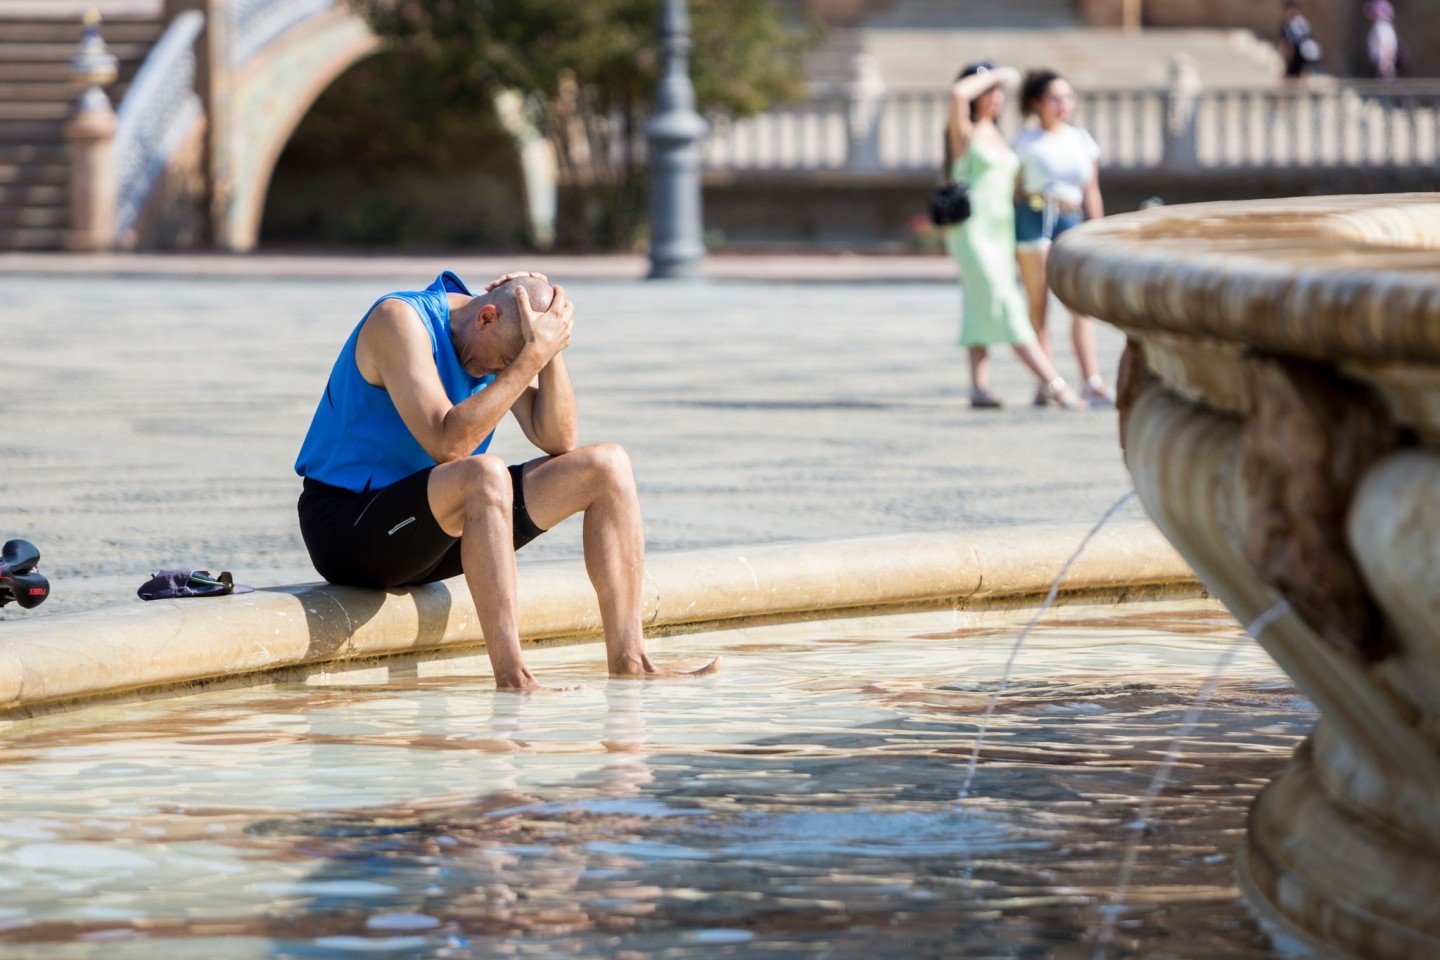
(546, 410)
(394, 353)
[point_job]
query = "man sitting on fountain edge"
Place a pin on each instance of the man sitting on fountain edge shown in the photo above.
(399, 489)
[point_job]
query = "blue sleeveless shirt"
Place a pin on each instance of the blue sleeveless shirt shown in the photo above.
(357, 440)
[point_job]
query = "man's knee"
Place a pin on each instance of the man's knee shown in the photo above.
(487, 484)
(612, 465)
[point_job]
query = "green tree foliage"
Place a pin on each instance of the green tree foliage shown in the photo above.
(588, 69)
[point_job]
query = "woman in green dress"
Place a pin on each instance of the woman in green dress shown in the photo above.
(977, 154)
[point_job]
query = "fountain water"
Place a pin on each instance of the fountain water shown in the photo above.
(1139, 825)
(994, 698)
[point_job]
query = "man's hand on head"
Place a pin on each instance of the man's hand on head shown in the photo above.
(499, 281)
(547, 333)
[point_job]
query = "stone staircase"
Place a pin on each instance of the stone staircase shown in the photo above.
(920, 45)
(975, 14)
(36, 100)
(1091, 58)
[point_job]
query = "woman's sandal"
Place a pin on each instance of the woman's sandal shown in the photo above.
(985, 400)
(1096, 393)
(1059, 392)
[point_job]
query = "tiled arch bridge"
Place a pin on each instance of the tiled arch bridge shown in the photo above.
(208, 93)
(282, 59)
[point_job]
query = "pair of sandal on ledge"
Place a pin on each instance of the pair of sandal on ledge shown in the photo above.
(1093, 395)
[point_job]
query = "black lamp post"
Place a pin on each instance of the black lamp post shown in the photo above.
(676, 247)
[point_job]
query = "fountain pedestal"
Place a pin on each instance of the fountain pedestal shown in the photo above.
(1280, 415)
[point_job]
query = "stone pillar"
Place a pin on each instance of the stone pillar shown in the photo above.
(1130, 14)
(538, 165)
(219, 45)
(867, 100)
(676, 247)
(1181, 107)
(90, 134)
(212, 84)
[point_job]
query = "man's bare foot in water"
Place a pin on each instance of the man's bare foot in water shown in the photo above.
(521, 680)
(643, 668)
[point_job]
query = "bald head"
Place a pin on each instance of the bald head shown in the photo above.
(487, 330)
(503, 299)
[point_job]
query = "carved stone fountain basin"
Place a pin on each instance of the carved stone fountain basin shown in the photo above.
(1280, 416)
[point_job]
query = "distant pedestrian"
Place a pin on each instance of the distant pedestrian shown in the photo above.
(1058, 189)
(1383, 42)
(977, 155)
(1297, 43)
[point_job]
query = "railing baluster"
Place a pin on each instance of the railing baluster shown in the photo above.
(1293, 123)
(786, 152)
(1412, 124)
(1228, 135)
(1264, 129)
(1347, 125)
(1255, 134)
(1135, 128)
(1210, 132)
(1363, 117)
(1432, 130)
(1159, 130)
(1391, 142)
(811, 137)
(836, 140)
(1315, 125)
(907, 157)
(1117, 110)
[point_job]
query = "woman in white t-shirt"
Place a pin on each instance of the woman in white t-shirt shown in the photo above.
(1057, 189)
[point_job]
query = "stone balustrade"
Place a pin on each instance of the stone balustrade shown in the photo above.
(1180, 128)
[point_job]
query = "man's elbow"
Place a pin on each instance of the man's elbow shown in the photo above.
(556, 449)
(443, 454)
(563, 443)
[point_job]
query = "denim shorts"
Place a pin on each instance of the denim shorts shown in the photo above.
(1030, 225)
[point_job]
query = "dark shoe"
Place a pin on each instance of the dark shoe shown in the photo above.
(985, 400)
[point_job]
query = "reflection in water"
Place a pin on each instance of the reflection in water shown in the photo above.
(1029, 628)
(799, 805)
(1162, 776)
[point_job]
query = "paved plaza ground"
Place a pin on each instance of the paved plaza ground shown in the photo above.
(150, 420)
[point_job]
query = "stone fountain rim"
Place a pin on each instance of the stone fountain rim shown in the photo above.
(1352, 277)
(170, 648)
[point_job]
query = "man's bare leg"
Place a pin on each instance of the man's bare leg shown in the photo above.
(471, 499)
(598, 480)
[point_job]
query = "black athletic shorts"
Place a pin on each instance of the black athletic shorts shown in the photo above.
(389, 537)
